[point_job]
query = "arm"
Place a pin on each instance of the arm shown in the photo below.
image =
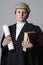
(39, 42)
(40, 46)
(4, 52)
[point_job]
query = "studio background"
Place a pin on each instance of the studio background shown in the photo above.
(7, 15)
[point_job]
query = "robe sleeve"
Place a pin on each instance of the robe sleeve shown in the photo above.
(4, 52)
(37, 49)
(39, 42)
(39, 46)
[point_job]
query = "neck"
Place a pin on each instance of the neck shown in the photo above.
(21, 22)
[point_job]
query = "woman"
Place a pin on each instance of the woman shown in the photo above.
(17, 56)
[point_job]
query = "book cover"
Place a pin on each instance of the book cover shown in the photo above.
(32, 36)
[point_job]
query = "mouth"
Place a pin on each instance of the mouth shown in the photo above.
(21, 17)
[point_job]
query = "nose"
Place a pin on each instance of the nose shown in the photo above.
(21, 13)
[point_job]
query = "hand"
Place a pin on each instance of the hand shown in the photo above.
(27, 44)
(7, 39)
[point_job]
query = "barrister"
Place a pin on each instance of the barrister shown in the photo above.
(16, 56)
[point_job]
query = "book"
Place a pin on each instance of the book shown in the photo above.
(30, 36)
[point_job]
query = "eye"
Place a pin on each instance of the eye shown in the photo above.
(18, 11)
(25, 12)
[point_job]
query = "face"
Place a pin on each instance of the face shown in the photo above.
(21, 15)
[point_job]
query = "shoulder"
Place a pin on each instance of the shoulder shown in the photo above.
(30, 24)
(13, 25)
(34, 27)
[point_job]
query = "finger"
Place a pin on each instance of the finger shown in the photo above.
(24, 41)
(24, 44)
(6, 40)
(8, 36)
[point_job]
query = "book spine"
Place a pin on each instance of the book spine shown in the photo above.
(25, 39)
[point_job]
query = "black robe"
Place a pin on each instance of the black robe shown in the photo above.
(17, 56)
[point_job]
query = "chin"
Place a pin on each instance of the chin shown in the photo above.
(21, 20)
